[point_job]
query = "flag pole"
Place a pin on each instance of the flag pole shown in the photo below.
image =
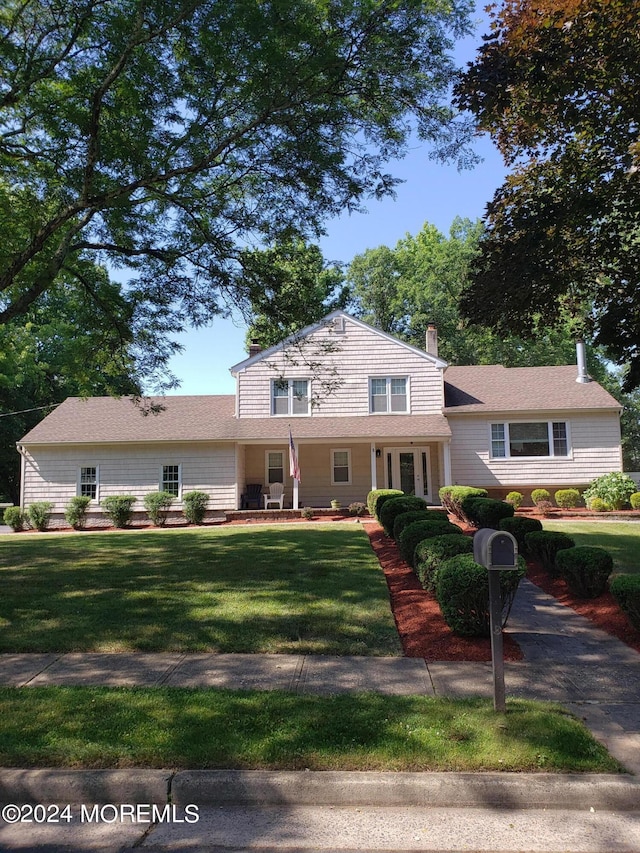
(294, 470)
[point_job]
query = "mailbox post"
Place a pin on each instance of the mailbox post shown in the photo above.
(497, 551)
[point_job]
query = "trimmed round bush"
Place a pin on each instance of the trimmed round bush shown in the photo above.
(157, 505)
(39, 514)
(14, 517)
(375, 495)
(415, 532)
(567, 498)
(194, 506)
(585, 569)
(406, 518)
(634, 500)
(430, 554)
(518, 527)
(538, 495)
(462, 591)
(597, 505)
(626, 591)
(395, 506)
(543, 545)
(451, 498)
(515, 499)
(76, 513)
(119, 509)
(486, 512)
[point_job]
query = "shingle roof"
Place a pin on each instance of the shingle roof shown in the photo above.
(210, 418)
(494, 388)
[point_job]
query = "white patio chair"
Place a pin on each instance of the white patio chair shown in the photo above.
(275, 496)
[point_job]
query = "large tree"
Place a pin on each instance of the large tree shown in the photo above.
(556, 85)
(163, 137)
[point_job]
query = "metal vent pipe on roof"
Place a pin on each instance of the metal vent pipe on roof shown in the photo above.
(581, 357)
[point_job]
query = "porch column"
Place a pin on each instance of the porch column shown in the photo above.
(295, 494)
(374, 468)
(446, 447)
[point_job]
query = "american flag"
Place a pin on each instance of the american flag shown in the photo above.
(294, 468)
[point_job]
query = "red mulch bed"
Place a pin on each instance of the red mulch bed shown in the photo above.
(602, 611)
(422, 629)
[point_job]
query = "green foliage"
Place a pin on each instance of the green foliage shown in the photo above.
(626, 591)
(195, 506)
(613, 489)
(543, 545)
(119, 509)
(417, 531)
(406, 518)
(377, 497)
(518, 527)
(598, 505)
(157, 504)
(431, 553)
(486, 512)
(307, 512)
(357, 508)
(76, 512)
(39, 514)
(395, 506)
(515, 499)
(540, 495)
(585, 570)
(14, 517)
(567, 498)
(452, 497)
(634, 500)
(462, 591)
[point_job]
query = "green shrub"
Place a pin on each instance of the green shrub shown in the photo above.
(598, 505)
(357, 508)
(15, 518)
(419, 530)
(543, 545)
(626, 591)
(430, 554)
(567, 498)
(515, 499)
(518, 527)
(76, 513)
(585, 569)
(462, 591)
(634, 500)
(539, 495)
(307, 512)
(614, 489)
(157, 505)
(39, 514)
(451, 498)
(395, 506)
(486, 512)
(119, 509)
(406, 518)
(195, 506)
(377, 497)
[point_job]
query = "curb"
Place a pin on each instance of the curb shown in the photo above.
(601, 792)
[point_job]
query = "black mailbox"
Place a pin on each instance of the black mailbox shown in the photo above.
(495, 549)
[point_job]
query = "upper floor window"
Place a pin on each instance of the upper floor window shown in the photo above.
(171, 480)
(88, 482)
(533, 438)
(290, 397)
(389, 394)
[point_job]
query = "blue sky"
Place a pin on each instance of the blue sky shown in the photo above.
(430, 193)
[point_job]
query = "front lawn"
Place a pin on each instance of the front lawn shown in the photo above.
(287, 589)
(621, 539)
(179, 728)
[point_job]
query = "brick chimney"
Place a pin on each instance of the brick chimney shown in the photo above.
(432, 339)
(254, 348)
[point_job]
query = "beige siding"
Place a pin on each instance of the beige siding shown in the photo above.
(595, 450)
(51, 473)
(360, 354)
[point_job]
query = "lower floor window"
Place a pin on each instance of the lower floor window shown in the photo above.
(532, 438)
(88, 482)
(340, 467)
(171, 480)
(275, 466)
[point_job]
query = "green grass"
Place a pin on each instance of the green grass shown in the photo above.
(284, 589)
(180, 728)
(621, 539)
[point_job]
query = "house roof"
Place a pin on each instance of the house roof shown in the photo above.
(494, 388)
(98, 420)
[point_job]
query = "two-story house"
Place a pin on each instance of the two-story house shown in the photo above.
(365, 410)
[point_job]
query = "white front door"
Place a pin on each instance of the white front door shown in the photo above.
(409, 469)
